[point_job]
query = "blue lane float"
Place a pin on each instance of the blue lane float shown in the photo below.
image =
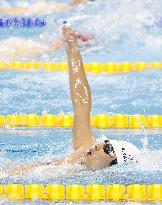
(22, 22)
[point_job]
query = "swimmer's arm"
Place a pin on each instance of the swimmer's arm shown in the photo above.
(80, 93)
(24, 169)
(10, 11)
(76, 2)
(78, 155)
(30, 49)
(39, 7)
(75, 157)
(60, 7)
(36, 50)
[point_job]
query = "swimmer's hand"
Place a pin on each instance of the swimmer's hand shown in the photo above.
(69, 36)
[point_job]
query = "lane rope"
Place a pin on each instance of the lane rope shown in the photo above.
(94, 67)
(77, 193)
(22, 22)
(101, 121)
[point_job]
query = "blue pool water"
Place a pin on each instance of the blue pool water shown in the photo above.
(124, 31)
(49, 93)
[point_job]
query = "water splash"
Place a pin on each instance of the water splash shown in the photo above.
(145, 139)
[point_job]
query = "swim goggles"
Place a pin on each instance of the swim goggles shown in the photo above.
(108, 149)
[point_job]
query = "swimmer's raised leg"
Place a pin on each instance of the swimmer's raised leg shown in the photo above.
(80, 93)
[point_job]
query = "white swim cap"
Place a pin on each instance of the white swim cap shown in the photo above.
(125, 151)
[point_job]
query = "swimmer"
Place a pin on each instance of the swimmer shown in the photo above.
(29, 48)
(26, 48)
(40, 7)
(87, 151)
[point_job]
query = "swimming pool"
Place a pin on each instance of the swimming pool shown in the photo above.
(33, 93)
(130, 38)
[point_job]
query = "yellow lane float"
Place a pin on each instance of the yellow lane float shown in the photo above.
(92, 67)
(77, 193)
(101, 121)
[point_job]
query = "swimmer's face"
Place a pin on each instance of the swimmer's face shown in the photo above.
(96, 158)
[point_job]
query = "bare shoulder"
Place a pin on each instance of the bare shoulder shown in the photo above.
(77, 155)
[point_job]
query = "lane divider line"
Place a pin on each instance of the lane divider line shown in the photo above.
(22, 22)
(77, 193)
(100, 121)
(94, 67)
